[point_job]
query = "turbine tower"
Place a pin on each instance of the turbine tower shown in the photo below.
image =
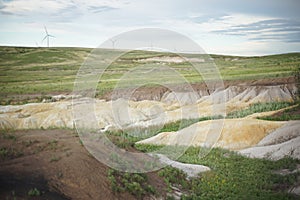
(47, 36)
(113, 41)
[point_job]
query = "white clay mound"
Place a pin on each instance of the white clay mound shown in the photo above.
(228, 133)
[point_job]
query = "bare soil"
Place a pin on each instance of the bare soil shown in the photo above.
(156, 92)
(54, 162)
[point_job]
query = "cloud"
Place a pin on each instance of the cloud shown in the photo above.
(50, 7)
(208, 17)
(285, 30)
(98, 9)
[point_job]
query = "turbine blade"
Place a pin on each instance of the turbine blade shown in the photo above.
(44, 38)
(51, 36)
(46, 30)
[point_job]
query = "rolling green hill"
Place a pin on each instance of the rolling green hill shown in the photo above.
(26, 71)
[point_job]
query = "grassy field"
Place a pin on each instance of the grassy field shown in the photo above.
(44, 71)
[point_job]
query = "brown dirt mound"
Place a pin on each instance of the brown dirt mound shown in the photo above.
(54, 162)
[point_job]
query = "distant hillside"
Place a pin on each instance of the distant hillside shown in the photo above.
(34, 72)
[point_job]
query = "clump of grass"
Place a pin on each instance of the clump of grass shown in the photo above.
(53, 144)
(28, 143)
(122, 139)
(135, 184)
(259, 107)
(9, 136)
(34, 192)
(9, 153)
(54, 159)
(3, 152)
(174, 177)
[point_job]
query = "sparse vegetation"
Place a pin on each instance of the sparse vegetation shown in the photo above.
(54, 159)
(135, 184)
(28, 143)
(53, 144)
(8, 136)
(9, 152)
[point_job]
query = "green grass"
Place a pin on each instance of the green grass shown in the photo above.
(259, 107)
(34, 192)
(175, 126)
(9, 152)
(44, 71)
(135, 184)
(8, 136)
(286, 115)
(232, 177)
(54, 159)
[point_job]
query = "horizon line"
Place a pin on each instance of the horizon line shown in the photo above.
(156, 50)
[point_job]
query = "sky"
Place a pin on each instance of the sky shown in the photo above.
(231, 27)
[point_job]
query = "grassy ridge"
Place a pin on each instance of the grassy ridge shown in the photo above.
(258, 108)
(26, 71)
(286, 115)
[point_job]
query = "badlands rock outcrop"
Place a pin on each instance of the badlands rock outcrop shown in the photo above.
(253, 137)
(124, 114)
(282, 142)
(232, 134)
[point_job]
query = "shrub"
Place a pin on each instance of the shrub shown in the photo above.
(34, 192)
(135, 184)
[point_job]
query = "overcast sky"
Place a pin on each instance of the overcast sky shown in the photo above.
(237, 27)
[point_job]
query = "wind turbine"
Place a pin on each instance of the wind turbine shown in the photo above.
(47, 36)
(113, 41)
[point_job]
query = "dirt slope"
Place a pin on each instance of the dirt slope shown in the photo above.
(54, 162)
